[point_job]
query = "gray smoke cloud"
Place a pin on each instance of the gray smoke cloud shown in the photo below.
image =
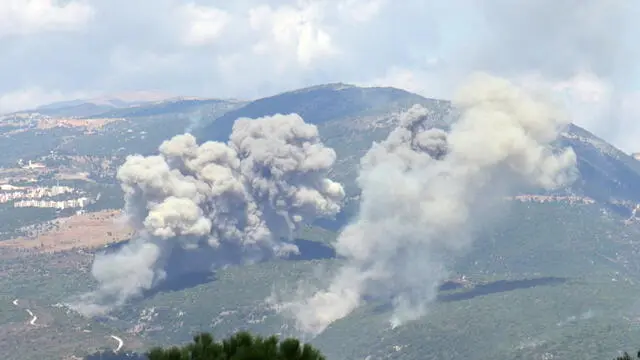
(208, 205)
(422, 190)
(585, 50)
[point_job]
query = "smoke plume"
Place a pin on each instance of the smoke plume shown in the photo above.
(422, 190)
(201, 206)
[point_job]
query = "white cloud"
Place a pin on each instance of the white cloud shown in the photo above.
(594, 103)
(251, 48)
(126, 62)
(424, 79)
(585, 87)
(292, 30)
(411, 80)
(20, 17)
(204, 24)
(361, 10)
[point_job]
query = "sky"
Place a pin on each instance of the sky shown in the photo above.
(581, 51)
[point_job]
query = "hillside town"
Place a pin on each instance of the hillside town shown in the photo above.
(40, 196)
(61, 204)
(24, 121)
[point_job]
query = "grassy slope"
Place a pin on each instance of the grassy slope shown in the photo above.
(533, 241)
(592, 307)
(40, 283)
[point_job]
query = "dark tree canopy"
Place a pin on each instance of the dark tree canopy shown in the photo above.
(626, 356)
(241, 346)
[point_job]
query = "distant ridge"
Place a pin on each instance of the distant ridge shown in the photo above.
(124, 104)
(350, 117)
(115, 100)
(319, 104)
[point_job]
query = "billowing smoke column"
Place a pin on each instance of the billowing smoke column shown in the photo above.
(422, 189)
(202, 206)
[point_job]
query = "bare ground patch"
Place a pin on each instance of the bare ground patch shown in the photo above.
(88, 124)
(83, 231)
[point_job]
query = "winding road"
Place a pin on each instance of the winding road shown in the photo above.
(120, 342)
(33, 316)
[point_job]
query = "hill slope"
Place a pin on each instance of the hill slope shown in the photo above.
(350, 118)
(548, 280)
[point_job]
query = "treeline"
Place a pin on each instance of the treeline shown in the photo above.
(240, 346)
(626, 356)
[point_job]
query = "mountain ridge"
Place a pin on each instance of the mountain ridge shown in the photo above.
(564, 236)
(360, 115)
(355, 115)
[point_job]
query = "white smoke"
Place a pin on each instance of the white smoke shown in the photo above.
(208, 205)
(422, 190)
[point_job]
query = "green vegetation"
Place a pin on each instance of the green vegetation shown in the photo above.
(320, 104)
(513, 310)
(626, 356)
(146, 128)
(592, 307)
(240, 346)
(121, 138)
(32, 143)
(15, 219)
(171, 107)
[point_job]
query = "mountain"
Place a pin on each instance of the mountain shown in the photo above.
(99, 130)
(350, 118)
(94, 106)
(319, 104)
(167, 107)
(549, 279)
(607, 173)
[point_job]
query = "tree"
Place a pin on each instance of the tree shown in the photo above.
(626, 356)
(241, 346)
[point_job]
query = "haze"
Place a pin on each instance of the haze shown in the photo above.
(582, 50)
